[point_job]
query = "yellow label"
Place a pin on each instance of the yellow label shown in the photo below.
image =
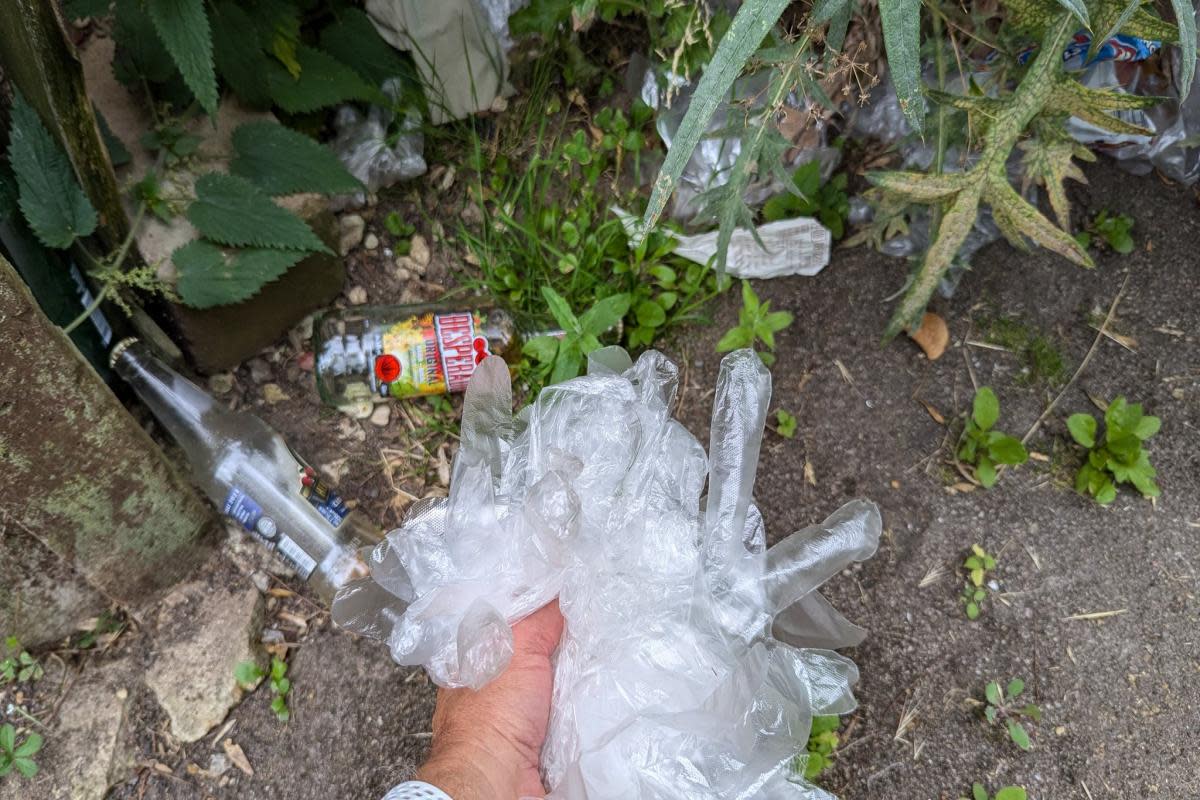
(430, 354)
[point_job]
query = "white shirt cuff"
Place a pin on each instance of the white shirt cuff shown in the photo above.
(416, 790)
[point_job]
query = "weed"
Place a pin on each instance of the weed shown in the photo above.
(977, 565)
(810, 197)
(18, 664)
(983, 447)
(18, 756)
(1043, 360)
(104, 627)
(756, 323)
(785, 423)
(1002, 707)
(823, 740)
(1114, 230)
(1120, 458)
(1007, 793)
(403, 231)
(560, 358)
(248, 674)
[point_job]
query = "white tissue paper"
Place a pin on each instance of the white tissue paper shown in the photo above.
(694, 657)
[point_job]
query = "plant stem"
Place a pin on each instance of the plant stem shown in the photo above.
(939, 153)
(100, 297)
(118, 260)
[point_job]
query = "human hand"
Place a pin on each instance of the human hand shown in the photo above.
(487, 743)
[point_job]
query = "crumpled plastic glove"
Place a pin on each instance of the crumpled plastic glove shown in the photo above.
(694, 656)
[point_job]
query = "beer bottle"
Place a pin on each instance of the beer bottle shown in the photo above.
(407, 350)
(252, 476)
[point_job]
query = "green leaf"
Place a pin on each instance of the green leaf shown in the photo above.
(991, 713)
(542, 349)
(247, 673)
(1185, 17)
(1019, 735)
(1033, 712)
(750, 25)
(25, 767)
(355, 42)
(605, 314)
(30, 746)
(985, 470)
(986, 408)
(566, 366)
(561, 312)
(734, 339)
(978, 792)
(650, 314)
(51, 199)
(282, 686)
(79, 9)
(1079, 9)
(1106, 493)
(324, 81)
(972, 610)
(1005, 449)
(279, 706)
(278, 668)
(992, 692)
(238, 56)
(118, 153)
(785, 424)
(750, 301)
(918, 187)
(1015, 687)
(212, 276)
(140, 53)
(1147, 427)
(1083, 429)
(281, 161)
(977, 576)
(902, 37)
(1010, 793)
(232, 211)
(182, 26)
(8, 738)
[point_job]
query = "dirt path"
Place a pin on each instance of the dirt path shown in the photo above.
(1119, 694)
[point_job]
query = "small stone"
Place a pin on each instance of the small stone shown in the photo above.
(371, 242)
(500, 104)
(447, 179)
(404, 274)
(218, 765)
(357, 295)
(419, 251)
(352, 227)
(350, 430)
(382, 415)
(221, 383)
(260, 370)
(335, 470)
(471, 215)
(260, 580)
(273, 394)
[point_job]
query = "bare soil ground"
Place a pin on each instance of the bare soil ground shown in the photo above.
(1119, 694)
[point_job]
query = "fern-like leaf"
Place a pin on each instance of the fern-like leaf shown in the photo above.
(901, 20)
(232, 211)
(323, 81)
(1050, 164)
(50, 197)
(213, 276)
(1017, 218)
(183, 27)
(282, 161)
(1093, 105)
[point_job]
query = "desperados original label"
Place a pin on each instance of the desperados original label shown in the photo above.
(430, 354)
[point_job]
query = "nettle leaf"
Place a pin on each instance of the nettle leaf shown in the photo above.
(183, 28)
(986, 408)
(355, 42)
(1083, 429)
(232, 211)
(324, 81)
(238, 56)
(280, 160)
(81, 9)
(213, 276)
(902, 37)
(140, 53)
(51, 199)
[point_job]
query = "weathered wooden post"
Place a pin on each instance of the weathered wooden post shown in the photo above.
(82, 481)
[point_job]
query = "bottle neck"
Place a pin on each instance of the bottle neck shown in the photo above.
(178, 404)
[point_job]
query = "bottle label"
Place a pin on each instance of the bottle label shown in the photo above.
(243, 508)
(328, 503)
(430, 354)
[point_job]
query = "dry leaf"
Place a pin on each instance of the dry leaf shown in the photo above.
(1036, 456)
(809, 474)
(278, 591)
(443, 466)
(295, 620)
(933, 412)
(932, 336)
(964, 487)
(237, 756)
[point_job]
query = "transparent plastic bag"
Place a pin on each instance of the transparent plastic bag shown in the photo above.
(373, 154)
(694, 657)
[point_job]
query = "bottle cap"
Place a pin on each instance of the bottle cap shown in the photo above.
(118, 349)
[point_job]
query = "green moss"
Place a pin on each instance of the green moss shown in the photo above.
(1043, 360)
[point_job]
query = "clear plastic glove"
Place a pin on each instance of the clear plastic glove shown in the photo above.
(694, 657)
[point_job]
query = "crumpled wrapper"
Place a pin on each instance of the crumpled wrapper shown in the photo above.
(694, 657)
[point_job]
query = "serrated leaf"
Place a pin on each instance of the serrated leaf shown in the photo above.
(750, 25)
(917, 187)
(213, 276)
(51, 199)
(1016, 217)
(355, 42)
(901, 20)
(182, 27)
(1185, 17)
(239, 58)
(139, 53)
(1108, 27)
(1079, 9)
(80, 9)
(282, 161)
(324, 81)
(1083, 429)
(825, 10)
(232, 211)
(1092, 105)
(1050, 164)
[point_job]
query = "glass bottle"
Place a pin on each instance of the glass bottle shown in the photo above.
(407, 350)
(252, 476)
